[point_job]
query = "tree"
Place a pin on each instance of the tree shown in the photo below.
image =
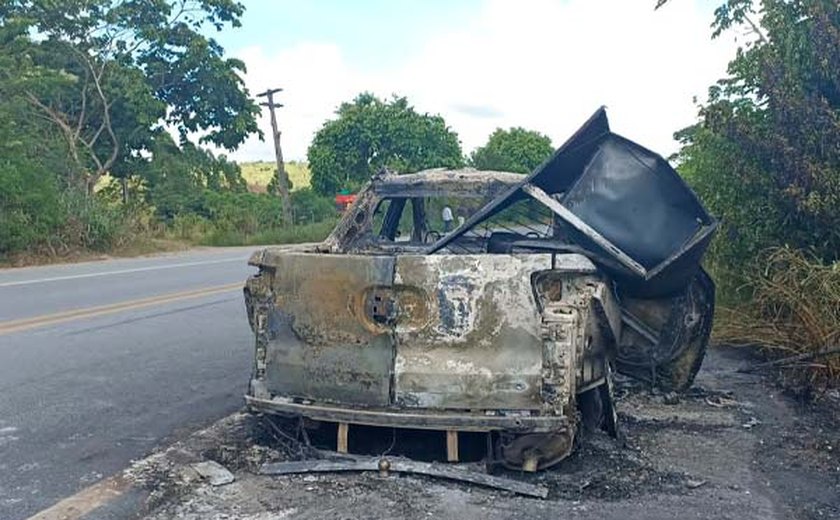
(514, 150)
(30, 163)
(370, 134)
(111, 74)
(177, 177)
(765, 155)
(29, 193)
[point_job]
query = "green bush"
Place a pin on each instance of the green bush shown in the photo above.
(30, 162)
(29, 206)
(36, 217)
(294, 235)
(765, 155)
(189, 227)
(245, 213)
(309, 207)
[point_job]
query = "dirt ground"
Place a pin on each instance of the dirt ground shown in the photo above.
(734, 446)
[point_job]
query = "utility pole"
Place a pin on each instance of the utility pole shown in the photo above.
(282, 177)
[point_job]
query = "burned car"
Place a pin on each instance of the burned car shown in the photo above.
(513, 323)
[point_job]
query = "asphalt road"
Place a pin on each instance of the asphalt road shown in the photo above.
(100, 362)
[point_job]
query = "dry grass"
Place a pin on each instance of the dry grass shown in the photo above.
(138, 246)
(795, 309)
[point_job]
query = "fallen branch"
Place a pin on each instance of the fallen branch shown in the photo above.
(807, 356)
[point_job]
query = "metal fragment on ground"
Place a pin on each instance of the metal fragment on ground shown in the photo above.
(399, 465)
(214, 473)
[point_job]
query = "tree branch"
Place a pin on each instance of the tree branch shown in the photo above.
(62, 124)
(96, 76)
(83, 111)
(756, 29)
(106, 116)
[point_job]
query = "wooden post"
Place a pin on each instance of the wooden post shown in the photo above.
(452, 445)
(282, 177)
(343, 430)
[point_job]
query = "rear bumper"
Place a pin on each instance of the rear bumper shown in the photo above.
(419, 419)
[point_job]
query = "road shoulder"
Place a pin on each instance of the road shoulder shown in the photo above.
(733, 446)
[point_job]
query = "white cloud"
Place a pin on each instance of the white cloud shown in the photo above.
(315, 80)
(541, 64)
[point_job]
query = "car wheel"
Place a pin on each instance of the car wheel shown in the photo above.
(664, 340)
(597, 408)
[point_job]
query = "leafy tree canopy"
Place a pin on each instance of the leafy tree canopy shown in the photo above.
(178, 177)
(514, 150)
(765, 155)
(110, 75)
(370, 134)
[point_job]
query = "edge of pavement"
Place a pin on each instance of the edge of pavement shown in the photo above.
(132, 492)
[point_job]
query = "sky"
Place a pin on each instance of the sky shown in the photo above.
(545, 65)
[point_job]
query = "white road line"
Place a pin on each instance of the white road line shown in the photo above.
(122, 271)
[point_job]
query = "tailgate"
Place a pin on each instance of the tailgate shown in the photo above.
(319, 346)
(479, 345)
(415, 331)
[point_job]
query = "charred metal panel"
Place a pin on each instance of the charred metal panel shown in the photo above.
(616, 200)
(321, 344)
(440, 182)
(581, 321)
(633, 199)
(480, 345)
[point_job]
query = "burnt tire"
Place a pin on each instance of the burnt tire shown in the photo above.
(678, 373)
(681, 325)
(591, 408)
(532, 452)
(597, 407)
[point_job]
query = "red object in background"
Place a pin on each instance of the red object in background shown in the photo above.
(343, 201)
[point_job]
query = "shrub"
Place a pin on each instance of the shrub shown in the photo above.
(309, 207)
(189, 227)
(29, 207)
(243, 212)
(95, 223)
(293, 235)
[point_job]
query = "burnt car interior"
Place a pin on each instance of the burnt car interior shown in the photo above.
(406, 220)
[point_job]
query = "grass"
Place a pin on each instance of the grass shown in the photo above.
(794, 309)
(258, 174)
(295, 235)
(141, 245)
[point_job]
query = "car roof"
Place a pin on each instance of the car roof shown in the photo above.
(443, 182)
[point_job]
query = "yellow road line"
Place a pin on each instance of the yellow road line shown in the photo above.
(8, 327)
(82, 503)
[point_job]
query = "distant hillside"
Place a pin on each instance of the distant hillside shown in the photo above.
(258, 174)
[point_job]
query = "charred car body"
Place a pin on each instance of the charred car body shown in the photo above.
(511, 324)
